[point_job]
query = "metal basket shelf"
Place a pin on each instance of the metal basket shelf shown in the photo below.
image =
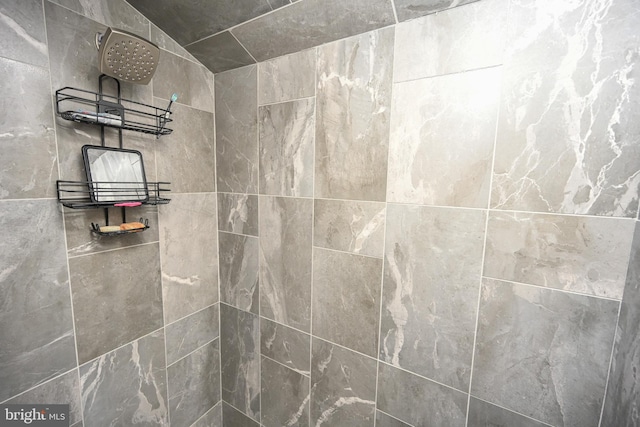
(95, 194)
(95, 228)
(96, 108)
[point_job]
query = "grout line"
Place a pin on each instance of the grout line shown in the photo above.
(512, 411)
(613, 348)
(33, 199)
(453, 73)
(395, 15)
(288, 367)
(208, 412)
(513, 282)
(316, 53)
(303, 98)
(400, 368)
(246, 50)
(259, 331)
(348, 253)
(191, 314)
(191, 352)
(231, 233)
(395, 418)
(117, 249)
(2, 402)
(241, 412)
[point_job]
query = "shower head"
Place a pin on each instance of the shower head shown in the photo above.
(126, 56)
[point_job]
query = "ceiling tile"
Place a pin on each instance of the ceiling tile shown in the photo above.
(221, 52)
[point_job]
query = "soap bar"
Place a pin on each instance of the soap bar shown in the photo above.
(109, 228)
(132, 226)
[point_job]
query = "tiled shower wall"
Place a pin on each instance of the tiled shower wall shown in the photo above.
(124, 328)
(431, 224)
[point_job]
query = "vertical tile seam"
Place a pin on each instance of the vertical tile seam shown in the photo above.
(258, 333)
(613, 348)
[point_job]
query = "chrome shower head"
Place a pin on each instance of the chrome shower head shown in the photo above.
(126, 56)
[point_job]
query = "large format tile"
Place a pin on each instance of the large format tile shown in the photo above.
(164, 41)
(433, 263)
(579, 254)
(239, 271)
(353, 107)
(64, 390)
(192, 332)
(193, 20)
(117, 297)
(192, 82)
(29, 164)
(127, 386)
(311, 23)
(285, 260)
(346, 299)
(483, 414)
(455, 40)
(384, 420)
(22, 32)
(286, 148)
(285, 345)
(237, 130)
(442, 137)
(238, 213)
(419, 401)
(240, 357)
(213, 418)
(567, 137)
(35, 305)
(284, 396)
(221, 52)
(349, 226)
(622, 403)
(287, 78)
(189, 254)
(194, 385)
(543, 353)
(343, 385)
(410, 9)
(185, 158)
(235, 418)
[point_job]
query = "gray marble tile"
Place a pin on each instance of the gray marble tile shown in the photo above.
(353, 110)
(286, 148)
(418, 401)
(384, 420)
(566, 134)
(29, 161)
(323, 21)
(221, 52)
(164, 41)
(186, 157)
(622, 402)
(343, 387)
(238, 213)
(284, 397)
(235, 418)
(213, 418)
(192, 332)
(411, 9)
(194, 384)
(118, 14)
(193, 20)
(580, 254)
(288, 77)
(35, 305)
(127, 386)
(460, 39)
(543, 353)
(429, 297)
(189, 254)
(73, 55)
(285, 345)
(442, 137)
(240, 356)
(112, 288)
(192, 82)
(348, 226)
(81, 241)
(285, 260)
(239, 271)
(483, 414)
(22, 32)
(346, 299)
(62, 390)
(237, 130)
